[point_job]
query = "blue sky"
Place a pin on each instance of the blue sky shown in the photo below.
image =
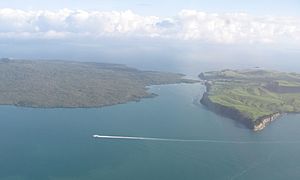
(206, 21)
(165, 7)
(141, 29)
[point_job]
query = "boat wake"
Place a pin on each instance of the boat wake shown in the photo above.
(192, 140)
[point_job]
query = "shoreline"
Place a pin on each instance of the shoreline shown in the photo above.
(60, 84)
(148, 96)
(255, 125)
(253, 97)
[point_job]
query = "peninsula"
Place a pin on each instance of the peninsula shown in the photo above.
(66, 84)
(255, 97)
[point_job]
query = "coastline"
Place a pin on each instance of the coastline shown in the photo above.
(255, 125)
(148, 95)
(253, 97)
(60, 84)
(265, 120)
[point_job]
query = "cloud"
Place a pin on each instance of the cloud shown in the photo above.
(187, 25)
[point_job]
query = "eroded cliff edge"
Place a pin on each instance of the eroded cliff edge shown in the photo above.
(256, 125)
(254, 97)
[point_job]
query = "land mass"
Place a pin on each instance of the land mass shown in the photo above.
(255, 97)
(65, 84)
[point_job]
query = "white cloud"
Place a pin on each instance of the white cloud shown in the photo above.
(186, 25)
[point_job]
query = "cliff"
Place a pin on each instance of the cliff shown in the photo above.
(230, 112)
(226, 111)
(262, 122)
(255, 97)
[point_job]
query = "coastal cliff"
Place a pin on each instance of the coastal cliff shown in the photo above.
(262, 122)
(254, 97)
(226, 111)
(254, 124)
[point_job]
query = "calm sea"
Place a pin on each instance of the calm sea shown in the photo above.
(57, 144)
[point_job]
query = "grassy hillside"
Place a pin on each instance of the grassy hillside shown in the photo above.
(254, 93)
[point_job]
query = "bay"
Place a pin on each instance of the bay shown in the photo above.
(58, 143)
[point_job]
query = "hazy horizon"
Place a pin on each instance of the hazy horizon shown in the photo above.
(142, 33)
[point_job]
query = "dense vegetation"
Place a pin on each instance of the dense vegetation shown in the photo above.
(75, 84)
(253, 94)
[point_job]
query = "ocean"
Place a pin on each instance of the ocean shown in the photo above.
(58, 143)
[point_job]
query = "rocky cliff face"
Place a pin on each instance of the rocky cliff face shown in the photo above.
(256, 125)
(226, 111)
(262, 122)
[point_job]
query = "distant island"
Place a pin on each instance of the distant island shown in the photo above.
(66, 84)
(255, 97)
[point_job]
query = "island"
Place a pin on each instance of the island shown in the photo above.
(254, 97)
(69, 84)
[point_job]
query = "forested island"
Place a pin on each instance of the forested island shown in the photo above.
(255, 97)
(66, 84)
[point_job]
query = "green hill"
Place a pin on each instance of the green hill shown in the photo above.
(52, 84)
(255, 97)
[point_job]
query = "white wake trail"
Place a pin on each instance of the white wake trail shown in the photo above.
(192, 140)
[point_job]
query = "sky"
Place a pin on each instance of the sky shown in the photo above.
(165, 7)
(144, 25)
(217, 21)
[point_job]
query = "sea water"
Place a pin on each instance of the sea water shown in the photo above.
(58, 144)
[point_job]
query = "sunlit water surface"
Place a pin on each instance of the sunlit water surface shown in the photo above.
(58, 143)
